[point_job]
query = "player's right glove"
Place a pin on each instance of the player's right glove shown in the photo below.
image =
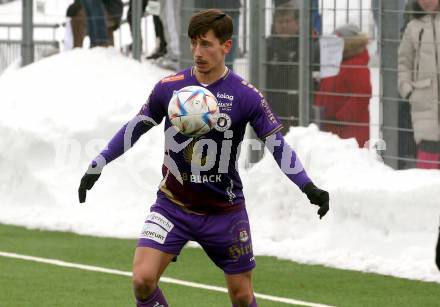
(318, 197)
(87, 182)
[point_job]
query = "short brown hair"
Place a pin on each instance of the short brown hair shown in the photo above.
(212, 19)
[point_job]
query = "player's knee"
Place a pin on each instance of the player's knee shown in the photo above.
(241, 298)
(143, 285)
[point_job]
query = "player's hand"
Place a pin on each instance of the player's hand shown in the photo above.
(87, 182)
(318, 197)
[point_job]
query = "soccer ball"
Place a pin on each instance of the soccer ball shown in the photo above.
(193, 110)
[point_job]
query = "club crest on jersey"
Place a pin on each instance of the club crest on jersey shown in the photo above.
(223, 122)
(243, 236)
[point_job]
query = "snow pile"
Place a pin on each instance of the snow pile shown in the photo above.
(58, 113)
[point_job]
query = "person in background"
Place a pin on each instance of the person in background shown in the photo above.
(77, 22)
(316, 17)
(282, 65)
(170, 15)
(418, 79)
(100, 17)
(96, 23)
(344, 99)
(161, 44)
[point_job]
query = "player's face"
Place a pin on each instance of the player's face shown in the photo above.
(209, 53)
(429, 5)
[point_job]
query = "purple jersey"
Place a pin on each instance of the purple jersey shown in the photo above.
(219, 188)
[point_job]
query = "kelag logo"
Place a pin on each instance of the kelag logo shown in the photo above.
(225, 96)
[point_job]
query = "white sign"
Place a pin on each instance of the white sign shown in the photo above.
(331, 50)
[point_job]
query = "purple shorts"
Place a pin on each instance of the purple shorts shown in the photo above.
(226, 238)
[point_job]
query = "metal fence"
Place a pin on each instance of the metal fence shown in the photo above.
(361, 100)
(10, 44)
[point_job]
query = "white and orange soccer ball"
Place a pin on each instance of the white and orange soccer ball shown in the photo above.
(193, 111)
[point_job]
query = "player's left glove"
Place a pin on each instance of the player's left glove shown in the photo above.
(318, 197)
(87, 182)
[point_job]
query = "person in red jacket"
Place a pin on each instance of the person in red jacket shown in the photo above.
(344, 98)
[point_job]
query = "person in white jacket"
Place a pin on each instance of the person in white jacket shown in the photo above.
(418, 79)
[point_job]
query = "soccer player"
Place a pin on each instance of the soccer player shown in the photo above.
(196, 202)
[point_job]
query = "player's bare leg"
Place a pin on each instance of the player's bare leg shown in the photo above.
(240, 289)
(148, 266)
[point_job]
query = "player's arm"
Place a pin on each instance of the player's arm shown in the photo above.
(149, 116)
(267, 126)
(292, 167)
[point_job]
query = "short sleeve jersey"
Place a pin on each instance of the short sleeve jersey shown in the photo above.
(201, 175)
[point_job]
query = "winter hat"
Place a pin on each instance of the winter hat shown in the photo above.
(355, 42)
(348, 30)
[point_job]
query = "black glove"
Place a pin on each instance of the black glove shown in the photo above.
(317, 197)
(437, 252)
(87, 182)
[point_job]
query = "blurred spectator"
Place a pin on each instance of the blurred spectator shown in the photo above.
(170, 16)
(77, 22)
(161, 45)
(103, 17)
(282, 67)
(316, 17)
(96, 23)
(418, 80)
(232, 8)
(345, 97)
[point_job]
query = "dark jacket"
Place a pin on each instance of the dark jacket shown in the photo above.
(282, 77)
(113, 8)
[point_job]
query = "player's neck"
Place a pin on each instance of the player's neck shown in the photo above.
(211, 76)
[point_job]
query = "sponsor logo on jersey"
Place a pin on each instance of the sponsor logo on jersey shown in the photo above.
(225, 96)
(157, 304)
(160, 220)
(173, 78)
(225, 106)
(236, 251)
(195, 155)
(201, 178)
(223, 122)
(267, 110)
(252, 87)
(154, 232)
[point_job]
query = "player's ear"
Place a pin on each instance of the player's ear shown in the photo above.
(227, 45)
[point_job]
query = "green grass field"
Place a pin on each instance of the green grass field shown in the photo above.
(24, 283)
